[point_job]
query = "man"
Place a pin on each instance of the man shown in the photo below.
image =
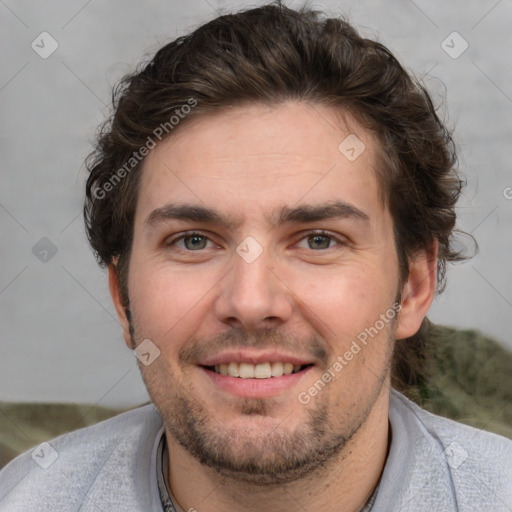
(274, 200)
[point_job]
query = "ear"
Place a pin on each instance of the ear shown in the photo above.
(117, 299)
(418, 292)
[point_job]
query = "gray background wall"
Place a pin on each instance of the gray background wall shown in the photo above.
(60, 339)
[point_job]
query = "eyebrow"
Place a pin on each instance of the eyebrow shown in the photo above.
(301, 214)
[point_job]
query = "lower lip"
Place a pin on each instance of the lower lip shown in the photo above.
(255, 388)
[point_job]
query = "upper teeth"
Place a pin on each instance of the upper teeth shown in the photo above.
(256, 371)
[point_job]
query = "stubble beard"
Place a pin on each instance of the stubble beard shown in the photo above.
(274, 457)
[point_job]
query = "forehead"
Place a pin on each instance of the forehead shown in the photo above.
(255, 158)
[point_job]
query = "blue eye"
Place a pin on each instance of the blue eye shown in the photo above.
(191, 242)
(196, 242)
(320, 241)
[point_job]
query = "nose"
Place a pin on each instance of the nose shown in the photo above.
(253, 296)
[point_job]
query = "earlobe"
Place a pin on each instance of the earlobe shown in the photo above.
(418, 292)
(117, 299)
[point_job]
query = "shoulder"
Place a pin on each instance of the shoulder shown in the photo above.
(476, 465)
(446, 431)
(85, 465)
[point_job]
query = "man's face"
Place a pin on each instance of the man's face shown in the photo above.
(225, 188)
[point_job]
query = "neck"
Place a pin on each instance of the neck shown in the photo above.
(345, 484)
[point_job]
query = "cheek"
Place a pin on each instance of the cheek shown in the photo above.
(343, 302)
(164, 301)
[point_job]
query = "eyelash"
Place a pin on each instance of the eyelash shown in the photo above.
(324, 233)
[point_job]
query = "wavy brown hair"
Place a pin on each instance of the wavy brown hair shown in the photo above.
(269, 55)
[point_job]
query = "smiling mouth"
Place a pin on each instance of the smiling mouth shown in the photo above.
(257, 371)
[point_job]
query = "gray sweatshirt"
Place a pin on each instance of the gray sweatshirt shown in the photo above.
(434, 465)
